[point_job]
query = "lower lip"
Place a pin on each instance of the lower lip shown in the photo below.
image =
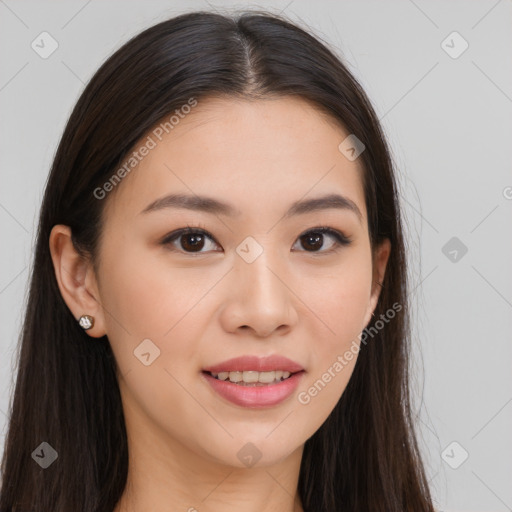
(255, 396)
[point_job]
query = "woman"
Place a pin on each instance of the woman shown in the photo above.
(217, 317)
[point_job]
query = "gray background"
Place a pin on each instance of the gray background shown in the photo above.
(449, 124)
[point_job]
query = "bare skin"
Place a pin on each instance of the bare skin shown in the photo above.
(304, 301)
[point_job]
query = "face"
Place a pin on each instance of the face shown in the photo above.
(255, 278)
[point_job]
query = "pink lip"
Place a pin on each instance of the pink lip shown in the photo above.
(258, 364)
(254, 397)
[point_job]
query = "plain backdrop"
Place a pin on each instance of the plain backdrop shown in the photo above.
(439, 75)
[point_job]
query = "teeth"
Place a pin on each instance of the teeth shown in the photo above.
(250, 377)
(232, 376)
(265, 377)
(253, 377)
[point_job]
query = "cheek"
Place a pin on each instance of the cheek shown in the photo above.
(339, 301)
(339, 297)
(154, 316)
(146, 298)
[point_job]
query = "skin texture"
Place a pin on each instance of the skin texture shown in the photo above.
(200, 309)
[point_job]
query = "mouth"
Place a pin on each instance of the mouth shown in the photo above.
(254, 381)
(253, 378)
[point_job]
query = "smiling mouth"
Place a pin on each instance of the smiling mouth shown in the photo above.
(252, 378)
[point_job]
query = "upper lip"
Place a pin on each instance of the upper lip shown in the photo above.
(256, 363)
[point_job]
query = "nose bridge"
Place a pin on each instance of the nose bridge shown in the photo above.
(257, 269)
(262, 297)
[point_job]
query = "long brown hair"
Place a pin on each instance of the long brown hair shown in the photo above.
(365, 456)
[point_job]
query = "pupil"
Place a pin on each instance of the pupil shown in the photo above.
(196, 242)
(316, 238)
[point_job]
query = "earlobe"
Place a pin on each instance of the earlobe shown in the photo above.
(76, 280)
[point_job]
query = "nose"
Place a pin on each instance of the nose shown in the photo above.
(259, 298)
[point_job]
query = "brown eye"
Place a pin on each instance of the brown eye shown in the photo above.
(313, 240)
(188, 240)
(192, 242)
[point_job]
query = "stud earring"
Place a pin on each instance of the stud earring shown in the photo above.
(86, 322)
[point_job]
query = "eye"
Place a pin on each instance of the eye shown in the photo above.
(193, 239)
(314, 239)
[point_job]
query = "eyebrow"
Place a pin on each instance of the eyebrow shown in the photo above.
(216, 207)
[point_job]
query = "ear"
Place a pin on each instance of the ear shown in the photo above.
(380, 260)
(76, 279)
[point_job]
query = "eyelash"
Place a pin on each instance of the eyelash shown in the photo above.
(340, 239)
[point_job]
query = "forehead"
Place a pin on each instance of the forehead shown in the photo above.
(258, 154)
